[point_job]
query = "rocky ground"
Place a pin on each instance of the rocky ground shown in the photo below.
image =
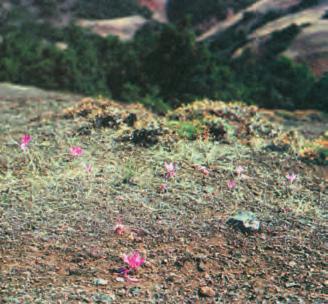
(59, 213)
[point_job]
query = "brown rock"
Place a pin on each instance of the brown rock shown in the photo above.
(207, 292)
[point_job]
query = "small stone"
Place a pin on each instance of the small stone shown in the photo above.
(171, 277)
(147, 264)
(121, 292)
(100, 282)
(103, 298)
(207, 292)
(292, 264)
(135, 291)
(120, 279)
(291, 284)
(201, 266)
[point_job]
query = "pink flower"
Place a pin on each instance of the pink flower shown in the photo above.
(240, 170)
(231, 184)
(119, 229)
(25, 140)
(134, 260)
(76, 151)
(163, 188)
(203, 170)
(291, 177)
(170, 169)
(88, 168)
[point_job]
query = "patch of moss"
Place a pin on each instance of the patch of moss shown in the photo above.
(186, 129)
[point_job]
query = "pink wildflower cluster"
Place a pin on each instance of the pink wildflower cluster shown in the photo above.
(163, 187)
(76, 151)
(231, 184)
(202, 170)
(240, 170)
(25, 140)
(170, 170)
(119, 229)
(134, 261)
(291, 177)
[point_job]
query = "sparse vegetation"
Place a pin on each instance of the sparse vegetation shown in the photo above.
(77, 228)
(160, 199)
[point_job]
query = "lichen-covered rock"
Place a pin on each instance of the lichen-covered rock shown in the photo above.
(244, 221)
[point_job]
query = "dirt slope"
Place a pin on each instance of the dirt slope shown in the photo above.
(124, 28)
(310, 46)
(59, 241)
(261, 6)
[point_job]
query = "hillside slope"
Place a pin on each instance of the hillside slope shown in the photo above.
(310, 46)
(68, 220)
(259, 7)
(120, 19)
(165, 64)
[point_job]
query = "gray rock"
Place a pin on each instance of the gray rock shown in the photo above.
(103, 298)
(100, 282)
(120, 279)
(244, 221)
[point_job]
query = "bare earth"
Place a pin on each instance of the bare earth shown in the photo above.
(57, 238)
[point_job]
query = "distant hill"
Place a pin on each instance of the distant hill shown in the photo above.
(257, 20)
(172, 50)
(262, 19)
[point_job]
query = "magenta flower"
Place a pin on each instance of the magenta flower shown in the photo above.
(134, 260)
(163, 188)
(291, 177)
(203, 170)
(25, 140)
(231, 184)
(76, 151)
(170, 169)
(119, 229)
(239, 170)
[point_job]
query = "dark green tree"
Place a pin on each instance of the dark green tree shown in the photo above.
(181, 68)
(319, 93)
(107, 9)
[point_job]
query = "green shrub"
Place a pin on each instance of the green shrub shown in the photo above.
(319, 93)
(155, 103)
(281, 40)
(186, 129)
